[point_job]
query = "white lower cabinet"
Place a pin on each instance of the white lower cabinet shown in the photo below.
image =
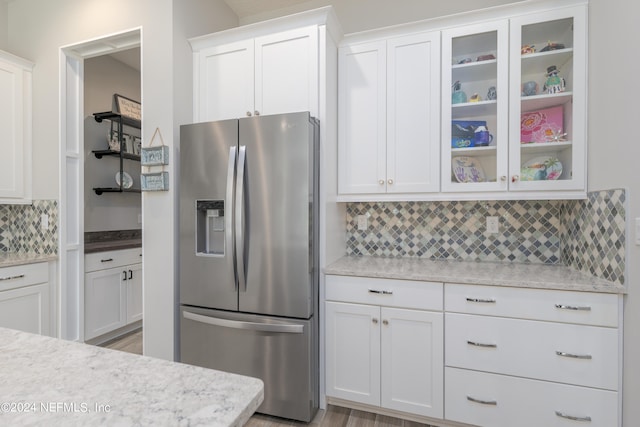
(112, 291)
(558, 364)
(381, 352)
(25, 298)
(492, 400)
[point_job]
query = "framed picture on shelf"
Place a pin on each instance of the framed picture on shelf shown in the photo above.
(127, 107)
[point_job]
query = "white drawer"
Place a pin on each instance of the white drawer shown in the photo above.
(520, 402)
(537, 304)
(110, 259)
(385, 292)
(572, 354)
(19, 276)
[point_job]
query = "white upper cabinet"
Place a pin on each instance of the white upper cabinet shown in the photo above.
(548, 101)
(272, 74)
(475, 75)
(388, 125)
(496, 110)
(226, 81)
(15, 122)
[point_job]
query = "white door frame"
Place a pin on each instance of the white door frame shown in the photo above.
(71, 163)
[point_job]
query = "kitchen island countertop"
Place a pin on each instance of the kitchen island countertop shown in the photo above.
(539, 276)
(47, 381)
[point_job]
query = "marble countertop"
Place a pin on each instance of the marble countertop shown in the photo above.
(9, 259)
(47, 381)
(476, 273)
(112, 240)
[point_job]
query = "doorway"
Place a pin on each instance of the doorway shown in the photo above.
(81, 63)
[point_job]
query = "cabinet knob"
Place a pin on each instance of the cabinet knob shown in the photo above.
(381, 182)
(503, 178)
(385, 322)
(390, 182)
(248, 113)
(515, 178)
(256, 113)
(375, 321)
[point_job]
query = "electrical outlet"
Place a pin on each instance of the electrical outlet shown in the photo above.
(44, 222)
(493, 225)
(362, 222)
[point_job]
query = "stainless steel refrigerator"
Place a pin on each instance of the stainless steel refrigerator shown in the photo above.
(249, 254)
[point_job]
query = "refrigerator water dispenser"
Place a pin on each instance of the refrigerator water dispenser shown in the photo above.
(210, 227)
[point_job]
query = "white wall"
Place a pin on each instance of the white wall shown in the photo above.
(614, 152)
(360, 15)
(37, 29)
(3, 25)
(104, 76)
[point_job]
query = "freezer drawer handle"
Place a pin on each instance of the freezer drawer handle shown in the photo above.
(482, 402)
(573, 418)
(573, 307)
(383, 292)
(574, 356)
(479, 344)
(252, 326)
(20, 276)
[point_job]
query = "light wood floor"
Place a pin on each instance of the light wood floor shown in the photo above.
(131, 343)
(334, 416)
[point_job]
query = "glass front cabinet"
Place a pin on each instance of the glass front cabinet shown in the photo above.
(475, 77)
(548, 101)
(514, 105)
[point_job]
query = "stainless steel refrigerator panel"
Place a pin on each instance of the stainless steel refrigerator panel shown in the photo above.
(275, 202)
(208, 153)
(281, 352)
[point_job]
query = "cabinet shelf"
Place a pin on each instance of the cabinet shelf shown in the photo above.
(489, 150)
(537, 63)
(474, 109)
(482, 70)
(538, 102)
(542, 147)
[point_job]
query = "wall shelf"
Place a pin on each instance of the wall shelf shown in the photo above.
(119, 121)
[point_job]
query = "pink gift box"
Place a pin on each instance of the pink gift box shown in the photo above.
(541, 125)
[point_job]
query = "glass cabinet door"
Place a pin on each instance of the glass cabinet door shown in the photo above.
(474, 108)
(548, 101)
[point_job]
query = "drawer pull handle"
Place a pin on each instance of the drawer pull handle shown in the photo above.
(573, 307)
(106, 260)
(19, 276)
(375, 291)
(573, 418)
(486, 301)
(479, 344)
(574, 356)
(482, 402)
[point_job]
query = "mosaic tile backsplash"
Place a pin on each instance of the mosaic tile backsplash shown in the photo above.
(594, 235)
(20, 229)
(576, 233)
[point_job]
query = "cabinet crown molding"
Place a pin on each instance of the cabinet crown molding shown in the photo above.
(21, 62)
(520, 7)
(321, 16)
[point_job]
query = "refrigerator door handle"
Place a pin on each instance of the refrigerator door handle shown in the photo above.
(239, 211)
(251, 326)
(228, 219)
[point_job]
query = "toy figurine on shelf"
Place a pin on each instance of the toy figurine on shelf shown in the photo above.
(527, 49)
(458, 96)
(554, 83)
(492, 94)
(475, 98)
